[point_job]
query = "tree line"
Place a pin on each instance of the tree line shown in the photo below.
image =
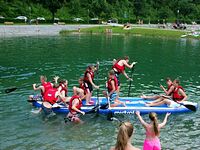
(127, 10)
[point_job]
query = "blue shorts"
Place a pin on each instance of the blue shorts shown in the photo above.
(37, 97)
(113, 97)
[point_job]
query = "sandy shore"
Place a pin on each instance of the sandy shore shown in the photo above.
(35, 30)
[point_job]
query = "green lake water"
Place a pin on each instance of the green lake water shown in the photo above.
(24, 59)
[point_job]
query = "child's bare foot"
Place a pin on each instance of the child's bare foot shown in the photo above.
(147, 104)
(143, 96)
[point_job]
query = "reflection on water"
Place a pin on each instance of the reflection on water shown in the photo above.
(22, 60)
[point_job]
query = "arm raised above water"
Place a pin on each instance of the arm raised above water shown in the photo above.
(161, 125)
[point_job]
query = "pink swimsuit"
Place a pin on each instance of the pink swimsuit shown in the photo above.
(151, 143)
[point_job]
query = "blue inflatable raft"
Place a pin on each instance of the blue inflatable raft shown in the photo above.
(133, 104)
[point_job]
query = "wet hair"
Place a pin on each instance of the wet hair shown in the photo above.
(111, 72)
(90, 67)
(56, 85)
(126, 57)
(177, 81)
(79, 91)
(153, 117)
(80, 79)
(63, 81)
(42, 77)
(124, 134)
(168, 79)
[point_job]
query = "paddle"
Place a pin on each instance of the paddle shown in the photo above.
(9, 90)
(129, 88)
(97, 66)
(93, 110)
(188, 106)
(110, 114)
(107, 106)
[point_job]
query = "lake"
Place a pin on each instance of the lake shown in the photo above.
(24, 59)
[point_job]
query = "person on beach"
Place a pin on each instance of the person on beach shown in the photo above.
(167, 91)
(45, 86)
(152, 141)
(119, 68)
(124, 136)
(89, 82)
(112, 86)
(178, 96)
(75, 104)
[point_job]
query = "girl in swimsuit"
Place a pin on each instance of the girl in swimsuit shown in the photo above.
(152, 141)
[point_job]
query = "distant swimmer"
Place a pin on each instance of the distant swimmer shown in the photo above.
(178, 96)
(75, 104)
(119, 68)
(89, 82)
(152, 140)
(112, 86)
(124, 136)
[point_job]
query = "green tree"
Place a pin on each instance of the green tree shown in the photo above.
(52, 6)
(139, 10)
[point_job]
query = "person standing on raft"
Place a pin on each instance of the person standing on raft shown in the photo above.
(119, 68)
(89, 82)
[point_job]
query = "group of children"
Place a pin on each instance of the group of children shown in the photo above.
(54, 93)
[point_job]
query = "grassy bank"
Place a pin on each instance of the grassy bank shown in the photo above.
(134, 31)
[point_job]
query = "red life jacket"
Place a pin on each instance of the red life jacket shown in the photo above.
(81, 86)
(63, 88)
(50, 96)
(47, 86)
(71, 102)
(86, 79)
(169, 86)
(119, 68)
(176, 95)
(110, 85)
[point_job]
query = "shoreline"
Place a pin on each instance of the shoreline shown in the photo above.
(38, 30)
(138, 30)
(52, 30)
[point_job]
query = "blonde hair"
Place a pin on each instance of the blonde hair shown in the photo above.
(153, 118)
(111, 72)
(124, 134)
(44, 78)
